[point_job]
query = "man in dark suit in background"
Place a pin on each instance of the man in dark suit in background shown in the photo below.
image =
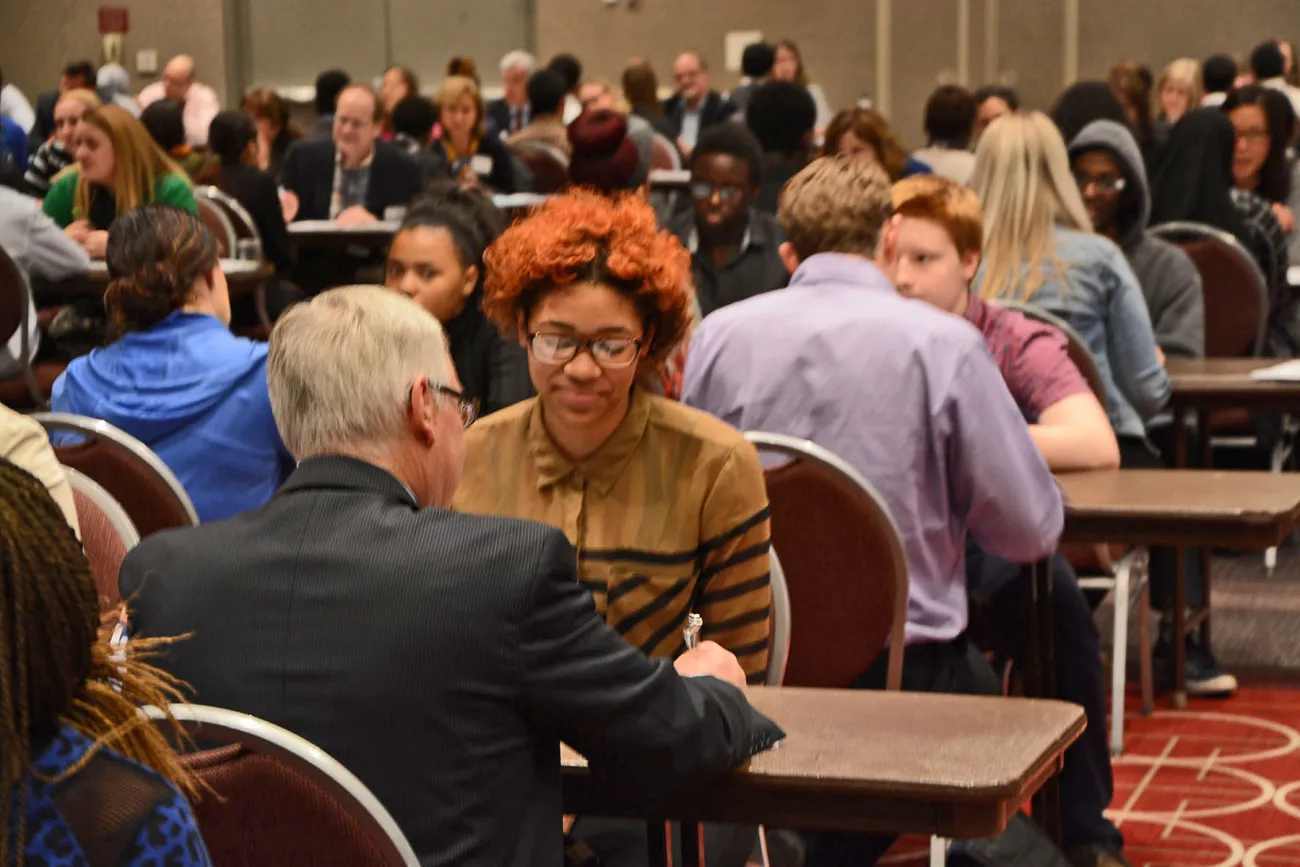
(509, 114)
(695, 106)
(77, 75)
(440, 656)
(352, 178)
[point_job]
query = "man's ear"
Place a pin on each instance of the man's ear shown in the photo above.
(788, 256)
(970, 265)
(422, 412)
(887, 246)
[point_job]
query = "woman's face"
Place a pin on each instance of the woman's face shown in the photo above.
(786, 67)
(66, 115)
(580, 394)
(93, 149)
(850, 145)
(393, 89)
(1251, 125)
(1175, 100)
(423, 266)
(459, 118)
(267, 129)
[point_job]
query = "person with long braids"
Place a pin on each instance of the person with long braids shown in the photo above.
(74, 739)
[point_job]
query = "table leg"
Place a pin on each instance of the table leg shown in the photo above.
(1180, 628)
(1180, 438)
(1207, 463)
(692, 844)
(1042, 684)
(1204, 438)
(656, 835)
(1205, 621)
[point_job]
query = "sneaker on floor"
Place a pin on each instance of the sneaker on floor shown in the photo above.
(1203, 676)
(1095, 855)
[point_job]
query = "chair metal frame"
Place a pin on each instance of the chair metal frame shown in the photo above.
(1179, 230)
(1128, 578)
(106, 503)
(217, 207)
(39, 399)
(234, 209)
(102, 430)
(779, 647)
(841, 473)
(264, 738)
(543, 147)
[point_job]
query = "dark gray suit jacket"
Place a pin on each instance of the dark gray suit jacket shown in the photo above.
(308, 172)
(441, 657)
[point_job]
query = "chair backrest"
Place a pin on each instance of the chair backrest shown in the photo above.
(126, 468)
(549, 165)
(218, 223)
(779, 647)
(1232, 284)
(15, 310)
(106, 534)
(843, 562)
(1075, 346)
(663, 154)
(241, 221)
(281, 800)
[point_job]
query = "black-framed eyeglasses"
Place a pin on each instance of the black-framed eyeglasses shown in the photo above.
(1104, 183)
(702, 192)
(610, 352)
(465, 406)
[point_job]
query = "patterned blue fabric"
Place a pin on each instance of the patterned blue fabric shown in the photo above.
(166, 835)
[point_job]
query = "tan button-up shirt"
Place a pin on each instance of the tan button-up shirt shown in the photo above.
(669, 517)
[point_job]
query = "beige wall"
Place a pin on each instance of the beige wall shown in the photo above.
(37, 37)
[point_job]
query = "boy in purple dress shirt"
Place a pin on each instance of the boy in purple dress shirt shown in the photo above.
(907, 394)
(937, 253)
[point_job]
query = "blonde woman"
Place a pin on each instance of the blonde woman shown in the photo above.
(1039, 248)
(465, 148)
(119, 168)
(55, 155)
(1178, 91)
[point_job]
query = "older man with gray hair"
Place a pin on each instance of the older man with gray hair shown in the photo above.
(510, 114)
(441, 657)
(200, 103)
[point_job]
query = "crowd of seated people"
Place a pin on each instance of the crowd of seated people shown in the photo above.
(807, 275)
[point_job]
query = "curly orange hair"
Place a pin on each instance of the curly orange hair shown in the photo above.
(583, 237)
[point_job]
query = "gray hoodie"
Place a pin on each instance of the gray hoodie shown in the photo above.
(1170, 282)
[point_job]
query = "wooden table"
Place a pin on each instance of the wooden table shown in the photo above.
(1184, 509)
(329, 234)
(951, 766)
(241, 276)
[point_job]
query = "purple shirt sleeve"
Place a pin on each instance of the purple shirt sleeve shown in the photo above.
(1000, 485)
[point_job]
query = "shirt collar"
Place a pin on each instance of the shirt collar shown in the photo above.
(603, 468)
(839, 269)
(365, 163)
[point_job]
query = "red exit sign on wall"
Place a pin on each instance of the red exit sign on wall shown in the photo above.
(112, 19)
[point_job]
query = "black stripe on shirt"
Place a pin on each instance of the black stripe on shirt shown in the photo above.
(736, 590)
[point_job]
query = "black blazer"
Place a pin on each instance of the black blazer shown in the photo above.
(255, 190)
(308, 172)
(498, 116)
(716, 109)
(43, 128)
(492, 370)
(441, 657)
(502, 177)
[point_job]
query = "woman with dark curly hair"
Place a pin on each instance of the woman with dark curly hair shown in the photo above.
(864, 133)
(665, 504)
(174, 376)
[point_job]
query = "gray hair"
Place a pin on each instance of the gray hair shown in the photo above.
(519, 58)
(341, 366)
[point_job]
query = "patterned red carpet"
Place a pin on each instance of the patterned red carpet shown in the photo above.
(1215, 784)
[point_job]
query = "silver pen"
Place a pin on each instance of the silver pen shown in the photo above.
(692, 631)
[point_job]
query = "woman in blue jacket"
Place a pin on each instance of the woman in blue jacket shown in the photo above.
(174, 376)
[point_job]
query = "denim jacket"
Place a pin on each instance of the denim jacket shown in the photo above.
(1103, 302)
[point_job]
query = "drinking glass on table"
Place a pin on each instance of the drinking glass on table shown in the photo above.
(395, 213)
(248, 250)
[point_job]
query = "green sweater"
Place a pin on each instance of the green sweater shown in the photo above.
(170, 189)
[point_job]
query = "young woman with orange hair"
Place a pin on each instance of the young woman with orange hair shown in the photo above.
(665, 504)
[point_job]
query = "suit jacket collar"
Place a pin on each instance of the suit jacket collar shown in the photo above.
(342, 473)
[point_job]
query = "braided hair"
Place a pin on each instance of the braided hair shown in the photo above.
(155, 254)
(55, 660)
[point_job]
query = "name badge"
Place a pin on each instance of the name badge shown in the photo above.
(481, 164)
